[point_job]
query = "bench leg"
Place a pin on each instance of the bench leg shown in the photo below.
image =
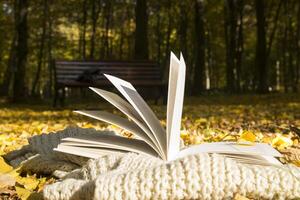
(62, 97)
(160, 93)
(156, 100)
(55, 97)
(164, 93)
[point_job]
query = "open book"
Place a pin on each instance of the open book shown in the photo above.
(151, 138)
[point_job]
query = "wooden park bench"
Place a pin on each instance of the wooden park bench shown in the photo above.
(83, 74)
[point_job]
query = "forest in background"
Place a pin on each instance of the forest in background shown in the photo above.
(235, 46)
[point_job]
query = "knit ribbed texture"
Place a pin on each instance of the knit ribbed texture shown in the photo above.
(201, 176)
(39, 156)
(132, 176)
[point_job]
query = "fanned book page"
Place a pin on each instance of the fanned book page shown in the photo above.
(145, 112)
(175, 104)
(106, 142)
(151, 138)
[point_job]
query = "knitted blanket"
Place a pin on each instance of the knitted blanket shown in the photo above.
(133, 176)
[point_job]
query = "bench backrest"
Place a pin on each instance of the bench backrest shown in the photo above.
(91, 72)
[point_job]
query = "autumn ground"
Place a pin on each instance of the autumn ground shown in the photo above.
(274, 119)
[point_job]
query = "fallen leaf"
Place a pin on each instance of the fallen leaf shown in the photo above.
(42, 183)
(7, 191)
(184, 134)
(296, 162)
(4, 167)
(281, 142)
(22, 193)
(267, 140)
(296, 130)
(29, 183)
(291, 155)
(196, 139)
(248, 136)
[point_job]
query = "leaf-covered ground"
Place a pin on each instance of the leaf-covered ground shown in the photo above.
(274, 119)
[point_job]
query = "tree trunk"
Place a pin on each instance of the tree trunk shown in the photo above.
(273, 31)
(95, 16)
(297, 75)
(107, 25)
(110, 25)
(9, 72)
(49, 52)
(199, 73)
(226, 38)
(240, 46)
(141, 30)
(230, 12)
(122, 32)
(183, 26)
(41, 48)
(261, 50)
(21, 51)
(284, 48)
(84, 22)
(291, 71)
(209, 71)
(165, 69)
(122, 35)
(129, 36)
(158, 33)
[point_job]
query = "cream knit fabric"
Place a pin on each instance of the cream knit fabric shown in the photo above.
(200, 176)
(132, 176)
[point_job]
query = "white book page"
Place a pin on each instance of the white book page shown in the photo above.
(85, 152)
(271, 160)
(112, 119)
(118, 102)
(129, 111)
(254, 159)
(175, 104)
(231, 148)
(118, 121)
(111, 142)
(73, 151)
(129, 92)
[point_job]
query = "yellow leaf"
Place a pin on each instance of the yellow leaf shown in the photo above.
(4, 167)
(296, 162)
(184, 134)
(41, 184)
(44, 181)
(267, 140)
(22, 193)
(15, 173)
(29, 183)
(295, 142)
(228, 138)
(248, 136)
(281, 142)
(196, 139)
(3, 137)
